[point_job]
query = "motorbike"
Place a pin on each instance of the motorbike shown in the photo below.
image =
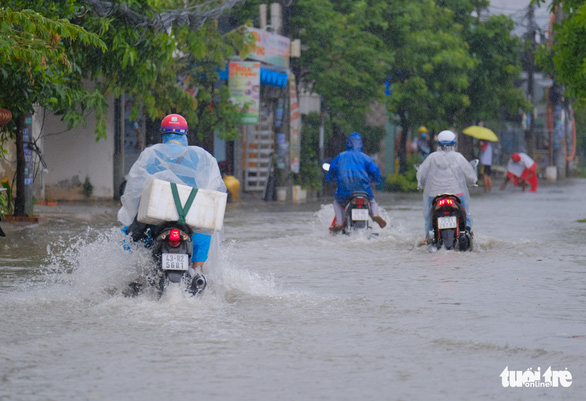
(448, 219)
(357, 210)
(357, 213)
(172, 247)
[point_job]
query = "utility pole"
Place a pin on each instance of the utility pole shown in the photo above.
(530, 72)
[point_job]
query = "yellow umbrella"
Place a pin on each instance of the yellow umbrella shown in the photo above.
(481, 133)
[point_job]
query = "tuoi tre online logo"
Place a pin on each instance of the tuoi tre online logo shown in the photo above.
(534, 378)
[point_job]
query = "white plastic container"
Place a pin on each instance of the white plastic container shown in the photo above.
(205, 214)
(551, 173)
(281, 194)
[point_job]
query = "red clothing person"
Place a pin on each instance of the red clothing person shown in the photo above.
(521, 169)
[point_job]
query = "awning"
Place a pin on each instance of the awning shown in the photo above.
(267, 77)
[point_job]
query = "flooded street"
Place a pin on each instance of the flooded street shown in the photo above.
(293, 313)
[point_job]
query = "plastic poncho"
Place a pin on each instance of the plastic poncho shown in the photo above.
(353, 170)
(445, 172)
(172, 161)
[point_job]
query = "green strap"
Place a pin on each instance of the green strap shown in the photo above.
(182, 211)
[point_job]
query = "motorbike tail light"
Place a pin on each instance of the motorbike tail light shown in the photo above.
(359, 201)
(175, 237)
(445, 202)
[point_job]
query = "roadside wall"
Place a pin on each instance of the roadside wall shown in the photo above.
(74, 155)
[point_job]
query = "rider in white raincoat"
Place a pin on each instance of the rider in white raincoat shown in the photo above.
(172, 161)
(445, 171)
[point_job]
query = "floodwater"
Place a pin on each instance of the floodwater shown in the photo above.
(293, 313)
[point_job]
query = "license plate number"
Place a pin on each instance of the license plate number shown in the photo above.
(359, 214)
(447, 222)
(175, 261)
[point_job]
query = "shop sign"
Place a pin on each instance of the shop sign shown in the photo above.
(270, 48)
(5, 117)
(244, 85)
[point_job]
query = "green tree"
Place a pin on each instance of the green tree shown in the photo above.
(37, 62)
(49, 48)
(343, 63)
(152, 43)
(492, 88)
(340, 61)
(565, 56)
(498, 63)
(445, 65)
(432, 63)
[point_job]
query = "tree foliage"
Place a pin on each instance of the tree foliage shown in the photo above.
(38, 67)
(492, 88)
(565, 56)
(150, 43)
(341, 61)
(50, 50)
(37, 61)
(432, 64)
(445, 65)
(159, 42)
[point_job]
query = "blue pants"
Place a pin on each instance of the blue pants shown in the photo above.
(201, 245)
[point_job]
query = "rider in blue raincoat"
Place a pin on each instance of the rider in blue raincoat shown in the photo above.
(353, 171)
(172, 161)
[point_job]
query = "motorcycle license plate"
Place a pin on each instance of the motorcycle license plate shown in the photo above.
(447, 222)
(175, 261)
(359, 214)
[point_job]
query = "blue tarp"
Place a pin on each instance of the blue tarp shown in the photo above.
(267, 77)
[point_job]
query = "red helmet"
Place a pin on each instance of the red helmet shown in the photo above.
(516, 157)
(174, 124)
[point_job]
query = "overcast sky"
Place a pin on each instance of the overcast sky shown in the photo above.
(517, 10)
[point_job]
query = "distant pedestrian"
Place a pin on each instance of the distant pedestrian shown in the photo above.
(421, 143)
(486, 164)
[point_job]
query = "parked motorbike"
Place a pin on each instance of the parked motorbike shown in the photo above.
(448, 219)
(172, 248)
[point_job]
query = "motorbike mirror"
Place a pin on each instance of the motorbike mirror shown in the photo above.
(474, 163)
(326, 166)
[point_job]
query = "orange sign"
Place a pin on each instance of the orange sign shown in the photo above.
(5, 117)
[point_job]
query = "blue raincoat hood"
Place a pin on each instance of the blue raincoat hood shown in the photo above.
(354, 142)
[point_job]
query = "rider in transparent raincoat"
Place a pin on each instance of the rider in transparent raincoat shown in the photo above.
(446, 171)
(172, 161)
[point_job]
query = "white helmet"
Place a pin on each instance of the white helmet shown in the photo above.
(446, 138)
